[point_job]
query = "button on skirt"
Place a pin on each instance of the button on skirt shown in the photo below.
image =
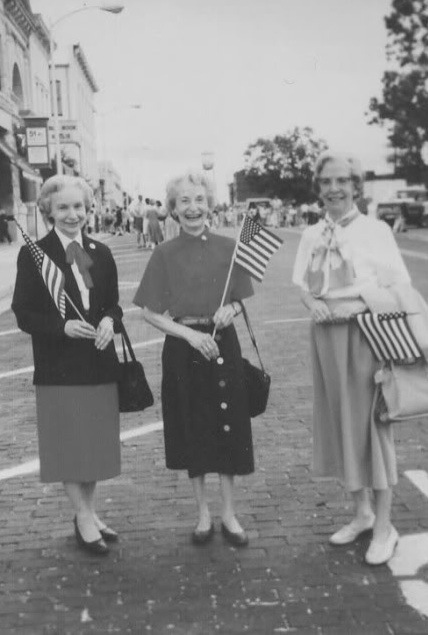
(78, 430)
(207, 427)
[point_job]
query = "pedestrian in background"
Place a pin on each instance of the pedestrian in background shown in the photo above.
(337, 260)
(207, 426)
(171, 228)
(138, 212)
(4, 227)
(118, 222)
(154, 231)
(75, 363)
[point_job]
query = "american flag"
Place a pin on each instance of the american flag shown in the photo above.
(255, 247)
(52, 276)
(389, 336)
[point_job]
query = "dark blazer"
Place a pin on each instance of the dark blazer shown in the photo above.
(59, 359)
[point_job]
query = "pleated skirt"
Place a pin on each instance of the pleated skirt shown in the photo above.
(207, 427)
(78, 433)
(346, 444)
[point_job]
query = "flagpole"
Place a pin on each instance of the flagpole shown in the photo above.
(232, 262)
(74, 307)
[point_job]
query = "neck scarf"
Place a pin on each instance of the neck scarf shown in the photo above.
(75, 253)
(330, 267)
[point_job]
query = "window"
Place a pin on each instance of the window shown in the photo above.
(58, 97)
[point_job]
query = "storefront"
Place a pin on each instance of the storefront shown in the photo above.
(19, 187)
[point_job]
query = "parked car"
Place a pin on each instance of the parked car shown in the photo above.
(411, 203)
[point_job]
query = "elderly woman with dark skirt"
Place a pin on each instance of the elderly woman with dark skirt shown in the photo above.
(338, 260)
(207, 426)
(75, 363)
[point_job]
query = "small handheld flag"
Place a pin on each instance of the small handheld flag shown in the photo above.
(52, 275)
(256, 245)
(389, 336)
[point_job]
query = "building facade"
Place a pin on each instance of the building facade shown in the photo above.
(76, 88)
(110, 190)
(20, 33)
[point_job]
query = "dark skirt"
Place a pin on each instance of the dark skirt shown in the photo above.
(207, 427)
(78, 428)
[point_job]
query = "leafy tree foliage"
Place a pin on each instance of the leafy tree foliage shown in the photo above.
(404, 107)
(283, 165)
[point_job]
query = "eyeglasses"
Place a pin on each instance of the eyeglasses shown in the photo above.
(341, 180)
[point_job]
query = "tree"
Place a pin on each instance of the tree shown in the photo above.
(283, 165)
(404, 107)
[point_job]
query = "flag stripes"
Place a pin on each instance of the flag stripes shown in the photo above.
(52, 275)
(256, 245)
(389, 336)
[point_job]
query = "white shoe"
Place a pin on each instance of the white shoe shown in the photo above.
(380, 552)
(349, 533)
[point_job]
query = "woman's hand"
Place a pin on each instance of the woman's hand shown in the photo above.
(79, 329)
(320, 311)
(204, 343)
(224, 316)
(104, 334)
(343, 313)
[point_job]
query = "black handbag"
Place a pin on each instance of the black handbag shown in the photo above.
(257, 380)
(134, 391)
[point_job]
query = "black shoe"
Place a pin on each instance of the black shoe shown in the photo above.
(97, 547)
(109, 535)
(203, 537)
(236, 539)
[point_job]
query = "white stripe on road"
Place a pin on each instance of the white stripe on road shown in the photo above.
(287, 321)
(414, 254)
(29, 369)
(11, 332)
(30, 467)
(411, 556)
(419, 478)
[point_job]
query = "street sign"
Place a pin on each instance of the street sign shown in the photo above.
(36, 137)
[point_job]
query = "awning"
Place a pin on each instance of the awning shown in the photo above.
(28, 172)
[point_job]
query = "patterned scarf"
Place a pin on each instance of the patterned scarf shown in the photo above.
(330, 267)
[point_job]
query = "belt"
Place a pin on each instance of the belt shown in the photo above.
(195, 321)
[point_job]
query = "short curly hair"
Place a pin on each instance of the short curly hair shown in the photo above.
(57, 183)
(356, 170)
(194, 178)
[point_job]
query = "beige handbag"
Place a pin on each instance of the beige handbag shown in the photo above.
(401, 393)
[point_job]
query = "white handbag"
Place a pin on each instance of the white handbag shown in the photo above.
(401, 392)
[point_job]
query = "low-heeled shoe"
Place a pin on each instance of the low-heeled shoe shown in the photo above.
(381, 552)
(203, 537)
(96, 547)
(348, 533)
(109, 535)
(237, 539)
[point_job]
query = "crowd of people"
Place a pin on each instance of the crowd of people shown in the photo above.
(207, 425)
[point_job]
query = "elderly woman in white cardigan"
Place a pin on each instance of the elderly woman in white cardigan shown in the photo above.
(338, 259)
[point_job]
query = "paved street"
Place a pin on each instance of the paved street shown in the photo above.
(289, 580)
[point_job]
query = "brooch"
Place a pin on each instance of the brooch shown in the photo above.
(92, 246)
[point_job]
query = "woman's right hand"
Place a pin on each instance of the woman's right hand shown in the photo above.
(204, 343)
(79, 329)
(320, 311)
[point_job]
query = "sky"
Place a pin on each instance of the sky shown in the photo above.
(215, 75)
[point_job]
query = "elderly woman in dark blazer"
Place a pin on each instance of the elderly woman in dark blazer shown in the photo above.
(75, 362)
(207, 426)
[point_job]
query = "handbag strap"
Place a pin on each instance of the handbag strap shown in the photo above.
(127, 341)
(251, 332)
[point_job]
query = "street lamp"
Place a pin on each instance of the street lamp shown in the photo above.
(109, 7)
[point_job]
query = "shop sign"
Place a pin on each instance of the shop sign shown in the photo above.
(36, 137)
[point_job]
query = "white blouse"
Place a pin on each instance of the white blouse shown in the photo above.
(84, 291)
(372, 249)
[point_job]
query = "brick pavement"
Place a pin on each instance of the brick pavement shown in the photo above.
(289, 580)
